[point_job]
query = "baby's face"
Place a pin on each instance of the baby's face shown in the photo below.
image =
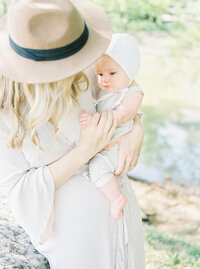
(111, 77)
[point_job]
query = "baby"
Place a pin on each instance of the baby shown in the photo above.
(116, 71)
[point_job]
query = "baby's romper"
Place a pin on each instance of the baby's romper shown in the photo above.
(104, 163)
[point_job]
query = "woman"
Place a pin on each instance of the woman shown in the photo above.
(44, 155)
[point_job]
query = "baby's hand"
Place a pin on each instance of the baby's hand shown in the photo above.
(85, 119)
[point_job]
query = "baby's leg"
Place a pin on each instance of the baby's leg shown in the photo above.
(114, 195)
(85, 118)
(101, 169)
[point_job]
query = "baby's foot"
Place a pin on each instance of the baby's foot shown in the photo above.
(85, 118)
(117, 206)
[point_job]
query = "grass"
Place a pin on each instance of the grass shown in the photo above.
(166, 251)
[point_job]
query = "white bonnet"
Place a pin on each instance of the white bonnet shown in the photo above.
(124, 50)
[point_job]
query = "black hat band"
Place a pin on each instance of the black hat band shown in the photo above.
(52, 54)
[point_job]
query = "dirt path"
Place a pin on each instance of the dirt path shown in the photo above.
(171, 208)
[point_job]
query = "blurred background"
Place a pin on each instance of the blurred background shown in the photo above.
(167, 177)
(168, 35)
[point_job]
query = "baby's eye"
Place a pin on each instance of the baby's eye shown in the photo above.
(100, 75)
(112, 73)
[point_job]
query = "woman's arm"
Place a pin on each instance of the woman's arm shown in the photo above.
(93, 139)
(30, 190)
(129, 147)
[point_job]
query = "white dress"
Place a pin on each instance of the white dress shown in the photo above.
(71, 226)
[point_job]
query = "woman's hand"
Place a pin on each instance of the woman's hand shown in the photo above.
(129, 148)
(93, 139)
(97, 134)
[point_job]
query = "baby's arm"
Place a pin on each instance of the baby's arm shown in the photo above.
(124, 112)
(128, 108)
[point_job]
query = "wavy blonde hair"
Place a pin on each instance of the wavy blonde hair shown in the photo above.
(31, 105)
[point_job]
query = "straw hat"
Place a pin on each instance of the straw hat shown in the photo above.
(44, 41)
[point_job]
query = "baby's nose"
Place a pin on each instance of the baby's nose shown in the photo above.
(105, 78)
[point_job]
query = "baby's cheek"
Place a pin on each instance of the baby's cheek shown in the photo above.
(117, 84)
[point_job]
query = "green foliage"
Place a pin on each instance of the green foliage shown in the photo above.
(171, 251)
(178, 18)
(132, 14)
(3, 6)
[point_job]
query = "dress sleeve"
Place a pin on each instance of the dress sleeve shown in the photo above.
(29, 191)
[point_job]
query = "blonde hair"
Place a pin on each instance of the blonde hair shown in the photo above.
(31, 105)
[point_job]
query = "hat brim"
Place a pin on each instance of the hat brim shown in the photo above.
(21, 69)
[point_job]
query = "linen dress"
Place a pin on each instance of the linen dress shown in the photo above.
(72, 225)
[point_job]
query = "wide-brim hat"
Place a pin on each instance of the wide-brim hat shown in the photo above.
(43, 41)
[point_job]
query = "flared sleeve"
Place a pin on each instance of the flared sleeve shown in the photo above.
(29, 191)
